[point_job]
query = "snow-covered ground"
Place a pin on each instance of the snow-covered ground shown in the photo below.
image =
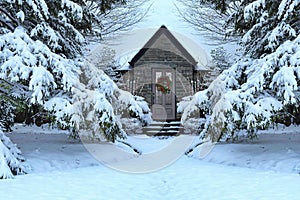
(275, 150)
(64, 169)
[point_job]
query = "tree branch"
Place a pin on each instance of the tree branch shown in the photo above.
(6, 22)
(206, 20)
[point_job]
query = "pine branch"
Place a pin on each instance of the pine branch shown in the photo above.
(9, 24)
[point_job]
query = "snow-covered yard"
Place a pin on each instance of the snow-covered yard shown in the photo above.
(63, 169)
(41, 63)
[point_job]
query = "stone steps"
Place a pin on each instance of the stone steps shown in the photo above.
(172, 128)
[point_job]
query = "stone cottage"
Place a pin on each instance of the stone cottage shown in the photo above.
(163, 71)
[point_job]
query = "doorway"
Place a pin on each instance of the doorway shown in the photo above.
(163, 89)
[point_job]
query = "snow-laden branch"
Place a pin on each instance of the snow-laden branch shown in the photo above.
(98, 105)
(11, 161)
(25, 59)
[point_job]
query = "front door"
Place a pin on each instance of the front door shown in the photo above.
(163, 107)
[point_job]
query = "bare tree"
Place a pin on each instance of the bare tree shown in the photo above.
(207, 20)
(121, 16)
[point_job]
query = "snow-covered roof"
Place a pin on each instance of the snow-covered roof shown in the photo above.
(128, 44)
(124, 59)
(198, 53)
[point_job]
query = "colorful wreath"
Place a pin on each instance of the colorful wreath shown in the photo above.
(164, 84)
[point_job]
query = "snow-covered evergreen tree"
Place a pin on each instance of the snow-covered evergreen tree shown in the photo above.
(267, 79)
(36, 60)
(41, 50)
(59, 24)
(266, 24)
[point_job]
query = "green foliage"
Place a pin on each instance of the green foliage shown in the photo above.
(113, 73)
(108, 4)
(290, 114)
(61, 25)
(110, 129)
(16, 108)
(7, 107)
(221, 5)
(7, 114)
(279, 18)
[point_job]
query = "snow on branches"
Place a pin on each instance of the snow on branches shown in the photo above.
(25, 60)
(98, 106)
(60, 25)
(11, 161)
(255, 91)
(67, 88)
(75, 92)
(260, 86)
(41, 59)
(267, 24)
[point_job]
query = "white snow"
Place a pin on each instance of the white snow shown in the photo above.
(211, 182)
(63, 169)
(275, 150)
(21, 15)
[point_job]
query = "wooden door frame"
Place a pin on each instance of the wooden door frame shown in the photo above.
(164, 70)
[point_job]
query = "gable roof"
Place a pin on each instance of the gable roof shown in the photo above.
(163, 30)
